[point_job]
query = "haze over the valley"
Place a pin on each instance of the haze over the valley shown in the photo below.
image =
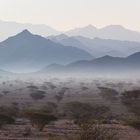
(69, 69)
(54, 34)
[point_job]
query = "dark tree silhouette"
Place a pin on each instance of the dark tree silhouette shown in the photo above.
(6, 119)
(84, 112)
(108, 93)
(131, 99)
(38, 95)
(39, 118)
(86, 117)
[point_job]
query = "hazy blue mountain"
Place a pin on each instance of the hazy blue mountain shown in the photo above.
(88, 31)
(57, 38)
(115, 32)
(28, 51)
(100, 47)
(106, 64)
(8, 29)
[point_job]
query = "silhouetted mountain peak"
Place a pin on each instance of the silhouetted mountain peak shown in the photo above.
(91, 27)
(25, 33)
(61, 36)
(57, 37)
(24, 36)
(106, 57)
(29, 51)
(114, 32)
(135, 55)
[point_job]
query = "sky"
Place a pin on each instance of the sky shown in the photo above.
(68, 14)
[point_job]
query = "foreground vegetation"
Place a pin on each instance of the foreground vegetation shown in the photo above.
(69, 109)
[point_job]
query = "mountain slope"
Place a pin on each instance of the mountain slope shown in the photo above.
(115, 32)
(100, 47)
(28, 51)
(103, 65)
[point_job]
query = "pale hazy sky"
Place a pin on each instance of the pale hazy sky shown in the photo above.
(66, 14)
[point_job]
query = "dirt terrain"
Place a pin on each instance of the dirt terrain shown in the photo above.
(18, 89)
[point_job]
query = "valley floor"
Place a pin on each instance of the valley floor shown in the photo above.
(17, 90)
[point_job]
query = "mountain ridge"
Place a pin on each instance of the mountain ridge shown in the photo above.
(99, 47)
(106, 64)
(28, 50)
(115, 32)
(9, 28)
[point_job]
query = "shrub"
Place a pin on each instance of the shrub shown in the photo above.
(38, 95)
(131, 99)
(84, 112)
(6, 119)
(39, 118)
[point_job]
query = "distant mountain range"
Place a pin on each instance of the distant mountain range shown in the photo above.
(8, 29)
(106, 64)
(115, 32)
(27, 51)
(112, 48)
(99, 47)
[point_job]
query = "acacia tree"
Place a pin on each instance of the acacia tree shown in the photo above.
(131, 99)
(51, 107)
(58, 98)
(39, 118)
(83, 112)
(6, 119)
(12, 110)
(60, 95)
(37, 95)
(86, 117)
(108, 94)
